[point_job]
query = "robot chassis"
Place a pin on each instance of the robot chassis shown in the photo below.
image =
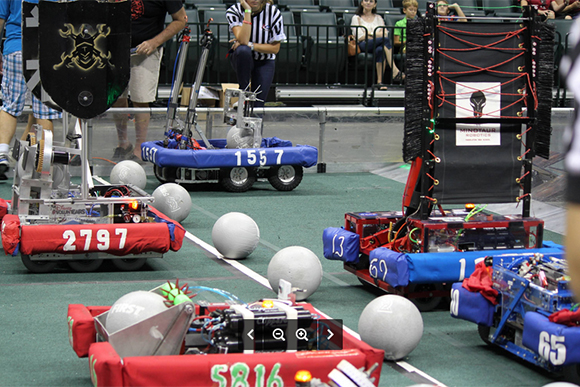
(237, 170)
(43, 194)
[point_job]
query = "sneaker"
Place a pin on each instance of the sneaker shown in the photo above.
(4, 165)
(122, 153)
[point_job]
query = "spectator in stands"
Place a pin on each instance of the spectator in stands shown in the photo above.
(410, 8)
(367, 28)
(148, 34)
(571, 9)
(444, 9)
(258, 28)
(546, 8)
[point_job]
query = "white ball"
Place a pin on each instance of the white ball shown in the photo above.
(391, 323)
(235, 235)
(132, 308)
(297, 265)
(173, 201)
(239, 138)
(129, 172)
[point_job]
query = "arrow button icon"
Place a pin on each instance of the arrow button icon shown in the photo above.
(250, 334)
(330, 334)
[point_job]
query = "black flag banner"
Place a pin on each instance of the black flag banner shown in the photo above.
(481, 77)
(84, 52)
(30, 63)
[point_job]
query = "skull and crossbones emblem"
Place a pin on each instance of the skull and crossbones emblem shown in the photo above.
(85, 53)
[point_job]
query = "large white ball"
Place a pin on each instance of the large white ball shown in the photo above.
(129, 172)
(132, 308)
(235, 235)
(391, 323)
(297, 265)
(239, 138)
(173, 201)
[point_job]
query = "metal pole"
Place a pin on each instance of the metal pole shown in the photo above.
(84, 159)
(321, 166)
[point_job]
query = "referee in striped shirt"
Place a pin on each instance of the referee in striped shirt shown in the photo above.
(258, 29)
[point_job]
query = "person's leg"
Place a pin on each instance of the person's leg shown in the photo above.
(43, 115)
(141, 127)
(242, 62)
(46, 124)
(145, 73)
(13, 97)
(388, 54)
(124, 147)
(389, 57)
(380, 63)
(31, 121)
(7, 129)
(262, 77)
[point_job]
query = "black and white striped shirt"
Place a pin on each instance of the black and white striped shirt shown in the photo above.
(267, 26)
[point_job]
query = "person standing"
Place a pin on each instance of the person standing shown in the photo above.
(258, 28)
(148, 33)
(14, 87)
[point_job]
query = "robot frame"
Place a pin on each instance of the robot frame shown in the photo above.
(470, 136)
(219, 343)
(236, 162)
(51, 219)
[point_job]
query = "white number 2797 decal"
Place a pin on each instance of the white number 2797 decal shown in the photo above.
(103, 239)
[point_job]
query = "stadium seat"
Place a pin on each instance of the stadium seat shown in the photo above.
(502, 6)
(325, 49)
(338, 6)
(467, 5)
(560, 40)
(298, 5)
(390, 21)
(389, 11)
(289, 58)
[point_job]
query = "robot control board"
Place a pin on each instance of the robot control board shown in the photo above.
(453, 230)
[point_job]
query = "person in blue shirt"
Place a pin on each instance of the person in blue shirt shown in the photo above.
(14, 87)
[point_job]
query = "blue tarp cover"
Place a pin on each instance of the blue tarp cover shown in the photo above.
(470, 306)
(340, 244)
(389, 266)
(555, 343)
(455, 266)
(282, 153)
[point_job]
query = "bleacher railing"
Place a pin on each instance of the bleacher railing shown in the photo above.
(313, 55)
